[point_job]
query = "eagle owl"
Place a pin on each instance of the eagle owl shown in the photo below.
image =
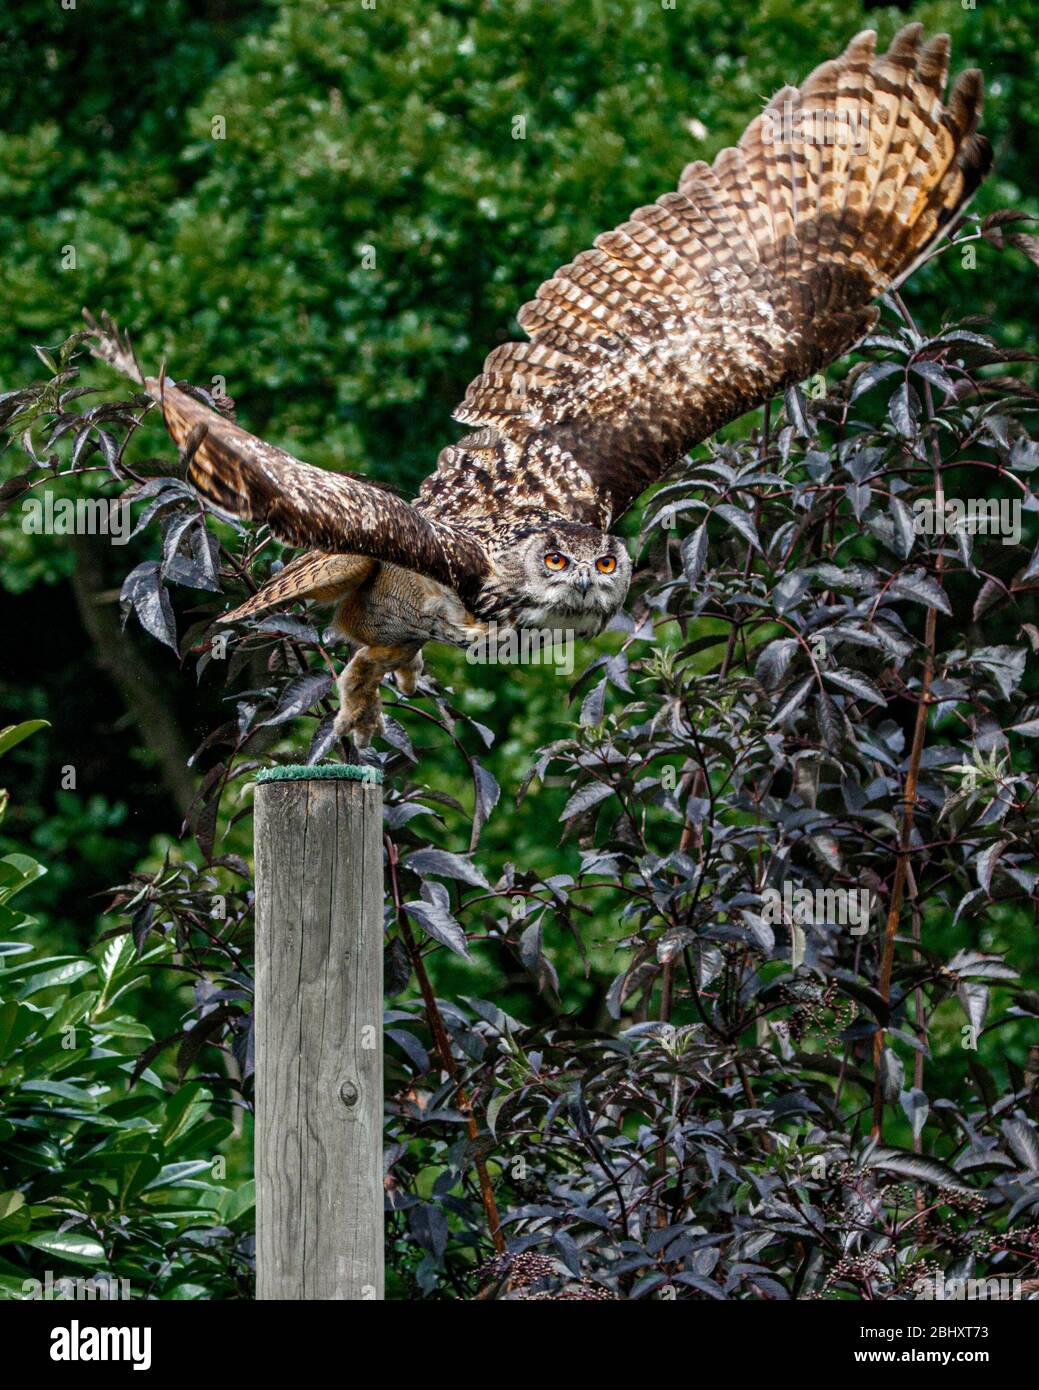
(758, 271)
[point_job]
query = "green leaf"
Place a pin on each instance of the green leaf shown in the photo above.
(139, 1176)
(15, 733)
(15, 1226)
(185, 1109)
(63, 1090)
(17, 1022)
(60, 975)
(10, 1202)
(118, 952)
(237, 1202)
(80, 1249)
(173, 1174)
(17, 871)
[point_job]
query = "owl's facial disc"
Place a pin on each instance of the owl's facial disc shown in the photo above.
(575, 578)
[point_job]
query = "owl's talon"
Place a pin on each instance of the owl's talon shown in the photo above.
(406, 677)
(362, 719)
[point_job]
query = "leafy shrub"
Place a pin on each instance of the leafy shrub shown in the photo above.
(107, 1173)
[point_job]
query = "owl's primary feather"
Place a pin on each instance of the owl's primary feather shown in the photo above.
(757, 272)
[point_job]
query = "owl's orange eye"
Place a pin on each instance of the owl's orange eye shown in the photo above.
(555, 561)
(606, 564)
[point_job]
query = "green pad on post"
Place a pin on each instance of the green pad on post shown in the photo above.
(323, 772)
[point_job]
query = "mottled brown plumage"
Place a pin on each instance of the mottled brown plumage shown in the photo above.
(314, 575)
(757, 272)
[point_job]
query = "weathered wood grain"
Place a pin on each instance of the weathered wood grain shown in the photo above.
(319, 1193)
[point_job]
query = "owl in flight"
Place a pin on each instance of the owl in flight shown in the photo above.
(759, 271)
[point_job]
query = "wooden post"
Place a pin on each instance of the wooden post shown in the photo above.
(319, 931)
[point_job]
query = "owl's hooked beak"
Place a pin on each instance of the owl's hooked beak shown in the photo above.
(584, 579)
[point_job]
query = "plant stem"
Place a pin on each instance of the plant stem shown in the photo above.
(443, 1048)
(913, 770)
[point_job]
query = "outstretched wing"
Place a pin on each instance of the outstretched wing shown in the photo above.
(307, 506)
(350, 521)
(757, 272)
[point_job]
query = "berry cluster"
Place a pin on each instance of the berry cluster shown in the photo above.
(914, 1272)
(810, 1017)
(521, 1273)
(584, 1290)
(974, 1202)
(856, 1268)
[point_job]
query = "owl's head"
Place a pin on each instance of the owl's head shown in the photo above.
(569, 576)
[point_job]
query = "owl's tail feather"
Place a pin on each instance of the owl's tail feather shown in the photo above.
(323, 578)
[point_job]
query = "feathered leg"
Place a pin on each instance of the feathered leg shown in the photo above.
(360, 708)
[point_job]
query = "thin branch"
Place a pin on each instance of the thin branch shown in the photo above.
(443, 1048)
(913, 770)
